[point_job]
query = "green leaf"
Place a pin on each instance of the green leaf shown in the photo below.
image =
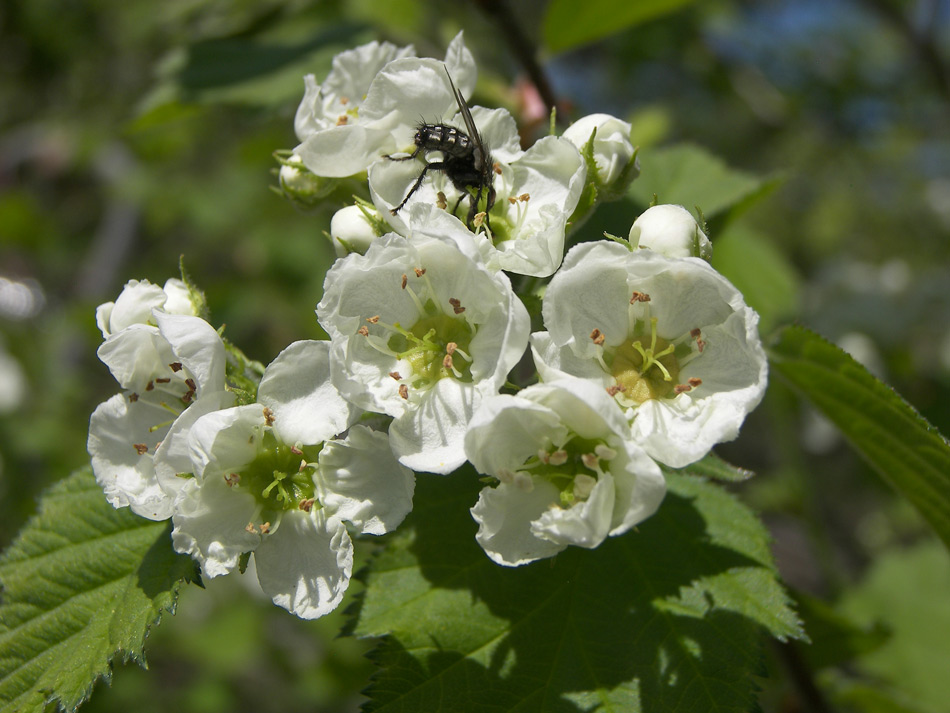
(906, 590)
(82, 585)
(835, 638)
(666, 618)
(569, 23)
(690, 176)
(896, 441)
(715, 468)
(760, 272)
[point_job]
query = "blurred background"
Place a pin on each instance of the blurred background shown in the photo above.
(132, 134)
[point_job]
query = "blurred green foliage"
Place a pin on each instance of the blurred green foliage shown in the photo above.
(134, 133)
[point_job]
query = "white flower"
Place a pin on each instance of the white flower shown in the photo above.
(670, 230)
(137, 300)
(270, 480)
(568, 472)
(171, 374)
(613, 152)
(422, 330)
(371, 103)
(671, 339)
(535, 193)
(352, 229)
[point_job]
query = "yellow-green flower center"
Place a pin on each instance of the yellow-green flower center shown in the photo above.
(436, 346)
(281, 476)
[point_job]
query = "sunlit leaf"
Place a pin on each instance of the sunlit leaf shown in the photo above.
(690, 176)
(82, 585)
(569, 23)
(668, 617)
(896, 441)
(760, 272)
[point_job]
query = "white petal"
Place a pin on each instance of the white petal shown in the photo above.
(431, 437)
(135, 355)
(504, 515)
(305, 565)
(197, 346)
(307, 407)
(127, 477)
(670, 230)
(554, 362)
(344, 150)
(224, 441)
(179, 298)
(639, 487)
(133, 306)
(507, 430)
(584, 524)
(210, 524)
(173, 456)
(361, 482)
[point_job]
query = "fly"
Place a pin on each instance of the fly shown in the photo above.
(465, 160)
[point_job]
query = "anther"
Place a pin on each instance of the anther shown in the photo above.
(405, 280)
(373, 320)
(558, 457)
(342, 120)
(268, 416)
(597, 337)
(404, 391)
(447, 362)
(265, 528)
(162, 380)
(441, 201)
(133, 397)
(590, 460)
(296, 450)
(396, 375)
(614, 390)
(150, 386)
(451, 347)
(232, 479)
(364, 331)
(306, 505)
(190, 383)
(140, 448)
(694, 381)
(175, 366)
(639, 297)
(456, 305)
(420, 271)
(682, 388)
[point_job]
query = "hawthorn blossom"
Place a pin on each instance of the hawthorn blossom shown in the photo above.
(170, 374)
(137, 300)
(270, 478)
(353, 228)
(535, 193)
(568, 473)
(607, 140)
(371, 102)
(670, 230)
(422, 330)
(670, 339)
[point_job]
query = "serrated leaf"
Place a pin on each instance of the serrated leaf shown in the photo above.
(667, 618)
(890, 435)
(569, 23)
(82, 585)
(690, 176)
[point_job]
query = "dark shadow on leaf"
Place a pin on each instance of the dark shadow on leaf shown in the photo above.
(632, 624)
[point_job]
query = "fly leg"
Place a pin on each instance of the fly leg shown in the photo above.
(437, 165)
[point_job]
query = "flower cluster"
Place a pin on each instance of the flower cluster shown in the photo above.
(648, 355)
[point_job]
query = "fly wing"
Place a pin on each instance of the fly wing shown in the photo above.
(469, 122)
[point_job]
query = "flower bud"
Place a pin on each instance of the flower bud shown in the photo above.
(351, 230)
(300, 185)
(607, 140)
(672, 231)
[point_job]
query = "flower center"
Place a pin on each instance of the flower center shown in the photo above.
(280, 477)
(645, 365)
(573, 467)
(436, 346)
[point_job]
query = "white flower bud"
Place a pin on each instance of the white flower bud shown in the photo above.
(351, 231)
(613, 150)
(672, 231)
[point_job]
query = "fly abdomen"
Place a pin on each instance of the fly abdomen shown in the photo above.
(444, 138)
